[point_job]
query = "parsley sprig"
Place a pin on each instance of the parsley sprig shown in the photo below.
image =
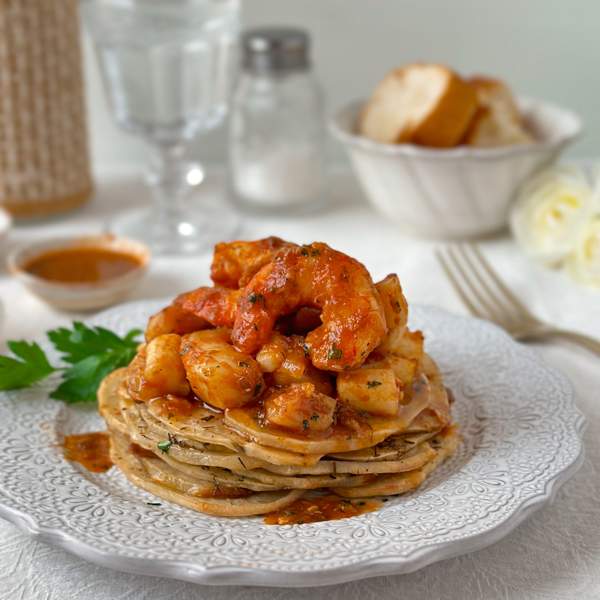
(90, 353)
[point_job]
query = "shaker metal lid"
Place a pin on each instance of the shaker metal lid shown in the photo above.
(275, 48)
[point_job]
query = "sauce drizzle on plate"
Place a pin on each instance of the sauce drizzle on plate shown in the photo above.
(320, 508)
(92, 450)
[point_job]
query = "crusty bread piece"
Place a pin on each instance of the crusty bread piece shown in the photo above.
(498, 121)
(423, 104)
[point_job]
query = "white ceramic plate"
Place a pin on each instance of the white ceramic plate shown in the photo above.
(522, 440)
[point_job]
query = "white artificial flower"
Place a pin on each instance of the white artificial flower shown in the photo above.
(550, 211)
(584, 262)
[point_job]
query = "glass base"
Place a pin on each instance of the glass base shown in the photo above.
(196, 232)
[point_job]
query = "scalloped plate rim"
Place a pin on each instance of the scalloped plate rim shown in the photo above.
(371, 567)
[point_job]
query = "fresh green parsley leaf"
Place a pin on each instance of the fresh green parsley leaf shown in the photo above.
(254, 298)
(305, 424)
(82, 379)
(29, 366)
(164, 446)
(91, 353)
(82, 341)
(373, 383)
(334, 353)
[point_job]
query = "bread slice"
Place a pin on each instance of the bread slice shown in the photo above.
(498, 121)
(424, 104)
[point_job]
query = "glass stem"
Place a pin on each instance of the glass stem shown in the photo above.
(166, 178)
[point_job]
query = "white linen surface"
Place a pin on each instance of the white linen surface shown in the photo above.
(555, 554)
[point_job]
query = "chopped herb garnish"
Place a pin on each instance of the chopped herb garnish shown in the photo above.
(153, 503)
(314, 417)
(164, 446)
(243, 363)
(373, 383)
(304, 252)
(306, 352)
(305, 424)
(254, 298)
(257, 389)
(335, 353)
(315, 252)
(207, 418)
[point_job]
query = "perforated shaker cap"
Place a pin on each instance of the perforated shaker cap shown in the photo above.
(275, 49)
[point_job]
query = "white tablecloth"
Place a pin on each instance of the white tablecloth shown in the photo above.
(555, 554)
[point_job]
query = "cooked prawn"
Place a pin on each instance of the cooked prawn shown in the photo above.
(192, 311)
(157, 370)
(173, 319)
(235, 263)
(164, 369)
(353, 321)
(218, 373)
(299, 407)
(286, 359)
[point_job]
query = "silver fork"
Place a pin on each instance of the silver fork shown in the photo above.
(488, 297)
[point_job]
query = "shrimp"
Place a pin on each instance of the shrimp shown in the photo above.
(352, 318)
(157, 370)
(235, 263)
(218, 373)
(299, 407)
(173, 319)
(192, 311)
(164, 369)
(287, 360)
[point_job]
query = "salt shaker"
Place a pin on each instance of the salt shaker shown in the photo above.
(277, 134)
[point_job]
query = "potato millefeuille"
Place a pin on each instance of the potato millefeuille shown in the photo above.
(294, 374)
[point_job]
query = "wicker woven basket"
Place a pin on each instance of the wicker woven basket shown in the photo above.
(44, 160)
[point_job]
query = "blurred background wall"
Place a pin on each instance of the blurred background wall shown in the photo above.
(544, 48)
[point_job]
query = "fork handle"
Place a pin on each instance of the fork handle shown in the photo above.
(580, 339)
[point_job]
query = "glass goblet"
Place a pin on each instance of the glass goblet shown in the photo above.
(167, 67)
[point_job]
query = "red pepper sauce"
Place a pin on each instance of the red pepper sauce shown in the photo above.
(321, 508)
(92, 450)
(82, 264)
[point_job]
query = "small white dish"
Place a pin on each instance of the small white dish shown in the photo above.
(80, 296)
(456, 192)
(522, 439)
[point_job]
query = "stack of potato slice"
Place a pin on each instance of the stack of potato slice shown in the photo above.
(225, 464)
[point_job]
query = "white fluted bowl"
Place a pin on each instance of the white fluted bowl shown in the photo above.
(457, 192)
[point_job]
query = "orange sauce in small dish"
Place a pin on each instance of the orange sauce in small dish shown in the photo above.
(92, 450)
(84, 264)
(320, 508)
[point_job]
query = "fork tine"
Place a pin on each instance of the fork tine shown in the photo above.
(502, 310)
(509, 296)
(490, 309)
(454, 281)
